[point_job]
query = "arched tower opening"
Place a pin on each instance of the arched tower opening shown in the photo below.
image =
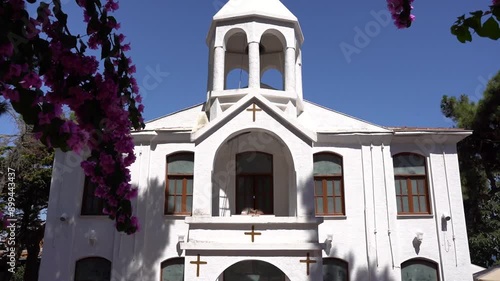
(236, 60)
(272, 60)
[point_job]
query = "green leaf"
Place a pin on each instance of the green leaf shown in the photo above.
(25, 105)
(491, 29)
(462, 33)
(43, 54)
(83, 47)
(69, 41)
(495, 10)
(474, 22)
(60, 15)
(112, 19)
(106, 49)
(108, 65)
(477, 13)
(464, 37)
(93, 25)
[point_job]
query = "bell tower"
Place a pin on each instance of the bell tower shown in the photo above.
(247, 39)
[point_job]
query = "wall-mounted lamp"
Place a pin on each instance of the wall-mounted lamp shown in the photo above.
(180, 238)
(417, 241)
(329, 238)
(446, 217)
(92, 236)
(419, 236)
(64, 217)
(327, 246)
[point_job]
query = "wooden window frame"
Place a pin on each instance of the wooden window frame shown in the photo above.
(324, 179)
(410, 195)
(184, 195)
(108, 263)
(254, 175)
(89, 193)
(172, 261)
(345, 263)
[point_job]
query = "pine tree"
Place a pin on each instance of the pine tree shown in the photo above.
(479, 160)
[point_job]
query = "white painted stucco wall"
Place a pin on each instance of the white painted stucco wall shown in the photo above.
(354, 238)
(370, 237)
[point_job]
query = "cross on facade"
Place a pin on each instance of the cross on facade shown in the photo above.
(198, 262)
(253, 233)
(254, 109)
(308, 262)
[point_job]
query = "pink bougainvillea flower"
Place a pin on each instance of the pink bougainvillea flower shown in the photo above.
(107, 163)
(135, 223)
(132, 194)
(401, 12)
(111, 6)
(74, 79)
(31, 80)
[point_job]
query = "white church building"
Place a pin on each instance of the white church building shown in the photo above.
(259, 184)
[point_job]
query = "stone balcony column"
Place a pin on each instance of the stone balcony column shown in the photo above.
(290, 69)
(218, 74)
(254, 65)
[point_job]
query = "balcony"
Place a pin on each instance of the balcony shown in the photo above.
(256, 233)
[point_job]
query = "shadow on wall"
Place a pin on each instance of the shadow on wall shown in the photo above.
(146, 248)
(360, 272)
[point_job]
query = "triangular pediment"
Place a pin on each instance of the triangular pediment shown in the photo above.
(262, 103)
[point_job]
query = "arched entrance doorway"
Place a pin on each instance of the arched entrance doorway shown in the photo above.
(253, 270)
(253, 174)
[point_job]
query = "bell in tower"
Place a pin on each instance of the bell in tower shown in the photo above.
(248, 40)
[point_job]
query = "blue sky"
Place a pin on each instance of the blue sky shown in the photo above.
(396, 78)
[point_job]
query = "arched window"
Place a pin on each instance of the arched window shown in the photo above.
(417, 269)
(172, 270)
(179, 181)
(91, 204)
(93, 269)
(335, 270)
(328, 184)
(254, 182)
(412, 194)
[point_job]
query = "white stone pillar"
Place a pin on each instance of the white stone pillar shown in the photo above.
(254, 65)
(218, 72)
(298, 75)
(290, 69)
